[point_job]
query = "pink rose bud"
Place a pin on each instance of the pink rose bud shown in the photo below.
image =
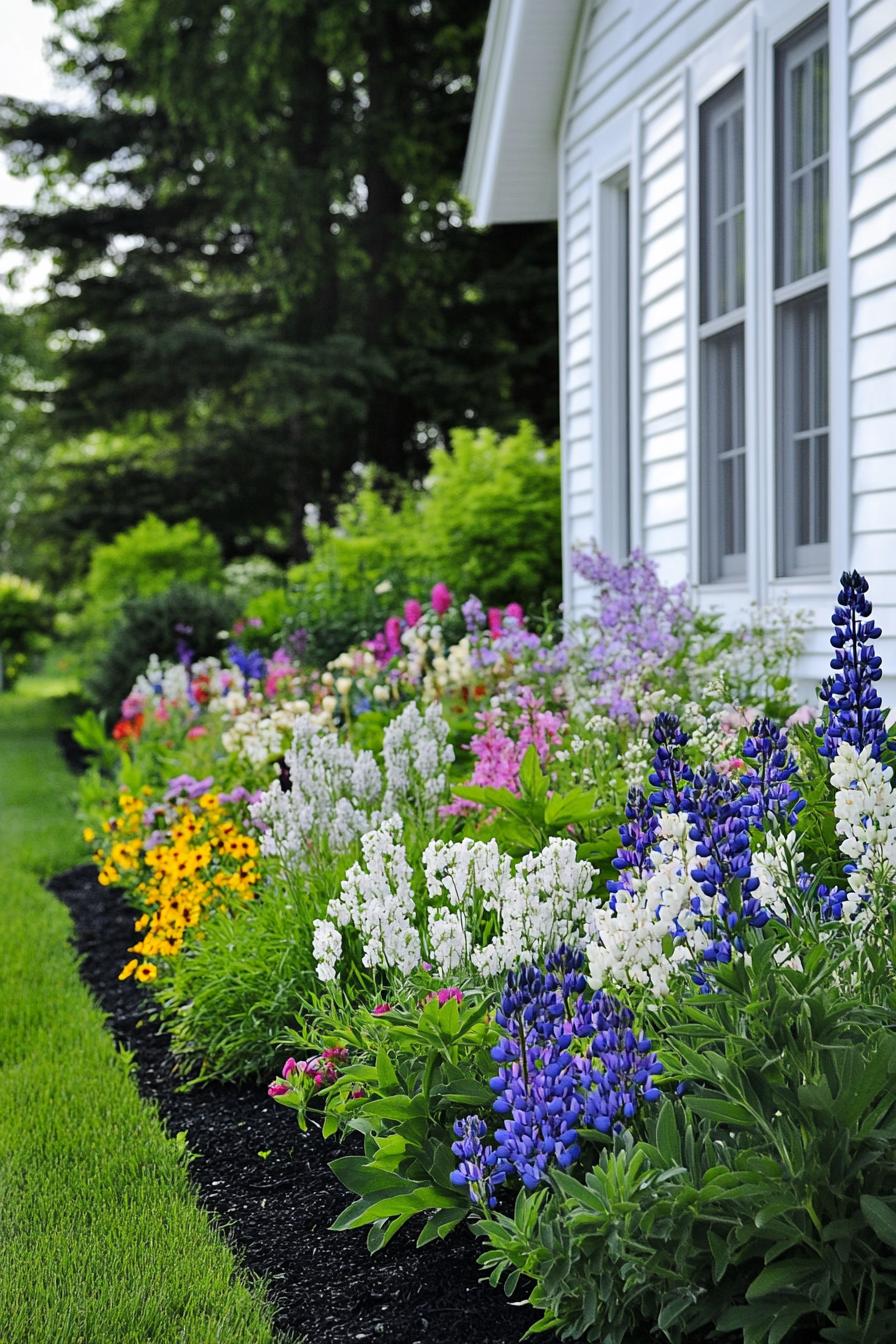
(289, 1067)
(381, 1009)
(412, 611)
(277, 1090)
(495, 621)
(514, 611)
(441, 598)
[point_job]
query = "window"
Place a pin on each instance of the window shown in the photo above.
(615, 364)
(801, 300)
(723, 440)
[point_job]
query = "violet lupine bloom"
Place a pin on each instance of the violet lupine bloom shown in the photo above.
(637, 834)
(854, 706)
(566, 1062)
(478, 1161)
(252, 664)
(768, 791)
(639, 625)
(473, 613)
(671, 773)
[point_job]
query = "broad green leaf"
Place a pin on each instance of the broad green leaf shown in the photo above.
(880, 1218)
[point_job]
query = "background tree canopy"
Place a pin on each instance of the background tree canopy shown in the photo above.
(262, 273)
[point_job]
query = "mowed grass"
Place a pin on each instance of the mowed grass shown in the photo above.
(100, 1236)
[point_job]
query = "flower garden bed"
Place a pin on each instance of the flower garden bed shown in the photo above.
(582, 940)
(270, 1184)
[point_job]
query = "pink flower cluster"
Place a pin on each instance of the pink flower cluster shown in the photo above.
(444, 995)
(502, 740)
(319, 1070)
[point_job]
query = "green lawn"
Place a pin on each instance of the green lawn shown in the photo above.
(100, 1237)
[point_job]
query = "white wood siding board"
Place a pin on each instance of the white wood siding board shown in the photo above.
(658, 405)
(578, 197)
(663, 217)
(601, 55)
(578, 324)
(579, 381)
(579, 454)
(579, 274)
(871, 188)
(875, 270)
(665, 474)
(868, 106)
(668, 34)
(672, 536)
(870, 25)
(669, 150)
(667, 244)
(871, 474)
(867, 549)
(577, 299)
(666, 423)
(667, 340)
(605, 14)
(873, 146)
(663, 123)
(874, 395)
(665, 185)
(579, 351)
(663, 311)
(666, 372)
(873, 63)
(579, 481)
(663, 280)
(873, 436)
(581, 529)
(857, 7)
(873, 312)
(664, 444)
(579, 246)
(873, 354)
(875, 228)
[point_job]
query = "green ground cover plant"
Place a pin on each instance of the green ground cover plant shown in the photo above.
(100, 1237)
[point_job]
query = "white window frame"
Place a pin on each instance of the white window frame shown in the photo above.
(779, 21)
(730, 53)
(714, 330)
(615, 371)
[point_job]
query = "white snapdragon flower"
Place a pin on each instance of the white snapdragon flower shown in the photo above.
(865, 812)
(416, 755)
(377, 899)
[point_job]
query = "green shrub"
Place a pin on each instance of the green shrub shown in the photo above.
(245, 579)
(229, 1000)
(490, 516)
(25, 616)
(157, 624)
(146, 560)
(487, 520)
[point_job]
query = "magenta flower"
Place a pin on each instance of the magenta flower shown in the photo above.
(441, 598)
(412, 611)
(277, 1090)
(289, 1067)
(495, 621)
(514, 612)
(381, 1009)
(443, 995)
(392, 631)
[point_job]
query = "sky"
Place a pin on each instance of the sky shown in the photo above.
(24, 73)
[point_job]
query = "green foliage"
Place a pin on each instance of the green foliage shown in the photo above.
(146, 560)
(417, 1070)
(25, 616)
(763, 1206)
(487, 520)
(250, 577)
(226, 1000)
(150, 625)
(102, 1239)
(490, 517)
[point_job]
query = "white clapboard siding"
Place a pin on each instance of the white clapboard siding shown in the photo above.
(633, 62)
(872, 250)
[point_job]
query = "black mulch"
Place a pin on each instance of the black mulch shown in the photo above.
(277, 1210)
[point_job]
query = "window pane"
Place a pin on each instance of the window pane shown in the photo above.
(801, 168)
(804, 469)
(722, 202)
(723, 456)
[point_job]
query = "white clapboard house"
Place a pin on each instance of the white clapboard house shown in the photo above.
(723, 174)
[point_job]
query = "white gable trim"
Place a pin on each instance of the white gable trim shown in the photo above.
(510, 171)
